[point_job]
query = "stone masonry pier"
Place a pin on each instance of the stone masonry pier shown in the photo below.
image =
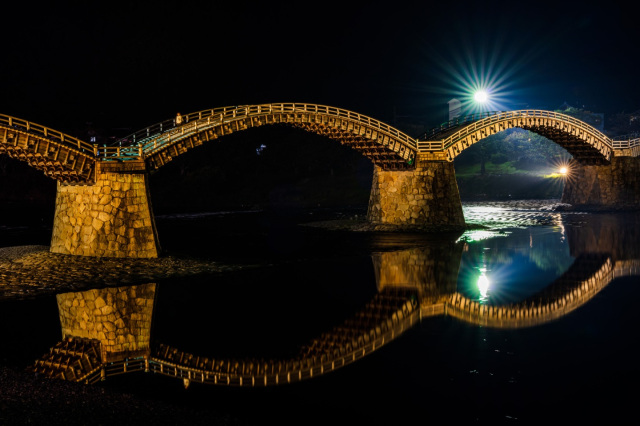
(111, 218)
(614, 186)
(427, 196)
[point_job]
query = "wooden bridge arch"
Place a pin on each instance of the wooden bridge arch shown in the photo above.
(587, 144)
(384, 145)
(60, 156)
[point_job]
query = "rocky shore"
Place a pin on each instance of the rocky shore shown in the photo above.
(26, 271)
(28, 400)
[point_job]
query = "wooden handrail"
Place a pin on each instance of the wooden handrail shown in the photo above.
(46, 132)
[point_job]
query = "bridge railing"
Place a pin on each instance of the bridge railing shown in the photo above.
(46, 132)
(626, 141)
(149, 138)
(119, 153)
(447, 125)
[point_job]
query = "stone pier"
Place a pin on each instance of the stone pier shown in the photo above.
(615, 186)
(427, 196)
(111, 218)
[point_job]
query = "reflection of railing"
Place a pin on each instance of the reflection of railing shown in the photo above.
(528, 313)
(358, 337)
(116, 368)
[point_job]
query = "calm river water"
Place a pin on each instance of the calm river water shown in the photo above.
(294, 283)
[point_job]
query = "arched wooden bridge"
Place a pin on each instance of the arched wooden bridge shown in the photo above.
(69, 159)
(586, 143)
(60, 156)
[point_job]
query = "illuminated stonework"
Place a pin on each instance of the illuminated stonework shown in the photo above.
(426, 196)
(612, 187)
(111, 218)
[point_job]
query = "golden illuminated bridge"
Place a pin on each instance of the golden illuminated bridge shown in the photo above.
(103, 202)
(68, 159)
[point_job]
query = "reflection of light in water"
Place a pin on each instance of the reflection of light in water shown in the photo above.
(557, 220)
(479, 235)
(483, 285)
(487, 209)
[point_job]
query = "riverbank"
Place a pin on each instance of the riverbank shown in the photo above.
(28, 400)
(31, 270)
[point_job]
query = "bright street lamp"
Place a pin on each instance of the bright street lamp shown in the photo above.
(481, 96)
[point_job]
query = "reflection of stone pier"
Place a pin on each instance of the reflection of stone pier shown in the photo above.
(118, 317)
(431, 269)
(100, 327)
(614, 234)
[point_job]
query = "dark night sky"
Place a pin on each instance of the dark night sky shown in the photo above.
(134, 64)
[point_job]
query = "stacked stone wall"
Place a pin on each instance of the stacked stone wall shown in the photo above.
(120, 318)
(610, 187)
(427, 196)
(111, 218)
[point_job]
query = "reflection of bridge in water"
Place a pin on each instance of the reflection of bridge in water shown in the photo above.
(107, 331)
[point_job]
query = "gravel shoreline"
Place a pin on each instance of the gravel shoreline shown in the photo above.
(27, 271)
(28, 400)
